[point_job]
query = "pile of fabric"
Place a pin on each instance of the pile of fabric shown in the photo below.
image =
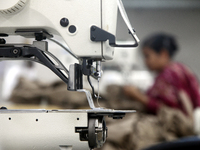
(32, 92)
(138, 131)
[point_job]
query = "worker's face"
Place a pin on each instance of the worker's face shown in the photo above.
(154, 61)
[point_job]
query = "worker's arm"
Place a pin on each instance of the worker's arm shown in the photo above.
(136, 94)
(151, 104)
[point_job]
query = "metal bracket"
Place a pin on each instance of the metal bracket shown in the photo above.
(29, 52)
(89, 97)
(99, 35)
(38, 34)
(75, 77)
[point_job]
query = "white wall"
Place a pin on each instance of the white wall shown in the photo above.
(184, 24)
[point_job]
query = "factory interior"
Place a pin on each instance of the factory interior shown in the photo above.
(27, 85)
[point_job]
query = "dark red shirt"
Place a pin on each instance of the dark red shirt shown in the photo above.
(173, 79)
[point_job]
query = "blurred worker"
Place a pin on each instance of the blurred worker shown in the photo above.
(175, 85)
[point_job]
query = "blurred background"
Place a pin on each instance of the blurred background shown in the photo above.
(31, 85)
(177, 17)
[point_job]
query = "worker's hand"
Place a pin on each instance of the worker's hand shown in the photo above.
(131, 91)
(134, 93)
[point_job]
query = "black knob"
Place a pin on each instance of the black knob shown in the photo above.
(72, 29)
(64, 22)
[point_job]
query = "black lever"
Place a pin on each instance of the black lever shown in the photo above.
(98, 35)
(28, 52)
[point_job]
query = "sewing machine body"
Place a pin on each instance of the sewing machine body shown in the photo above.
(47, 14)
(41, 130)
(88, 28)
(54, 129)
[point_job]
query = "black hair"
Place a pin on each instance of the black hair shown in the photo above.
(161, 41)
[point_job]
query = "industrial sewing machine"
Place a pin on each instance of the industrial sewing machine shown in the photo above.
(88, 28)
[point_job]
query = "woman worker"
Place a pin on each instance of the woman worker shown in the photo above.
(175, 85)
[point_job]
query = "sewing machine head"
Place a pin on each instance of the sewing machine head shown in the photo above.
(88, 27)
(72, 20)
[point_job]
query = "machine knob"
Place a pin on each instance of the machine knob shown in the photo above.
(10, 7)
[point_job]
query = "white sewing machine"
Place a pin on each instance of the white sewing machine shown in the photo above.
(88, 27)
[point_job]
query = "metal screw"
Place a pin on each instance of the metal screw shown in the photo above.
(15, 51)
(93, 38)
(93, 28)
(2, 41)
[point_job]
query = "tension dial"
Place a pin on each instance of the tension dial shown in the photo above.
(9, 7)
